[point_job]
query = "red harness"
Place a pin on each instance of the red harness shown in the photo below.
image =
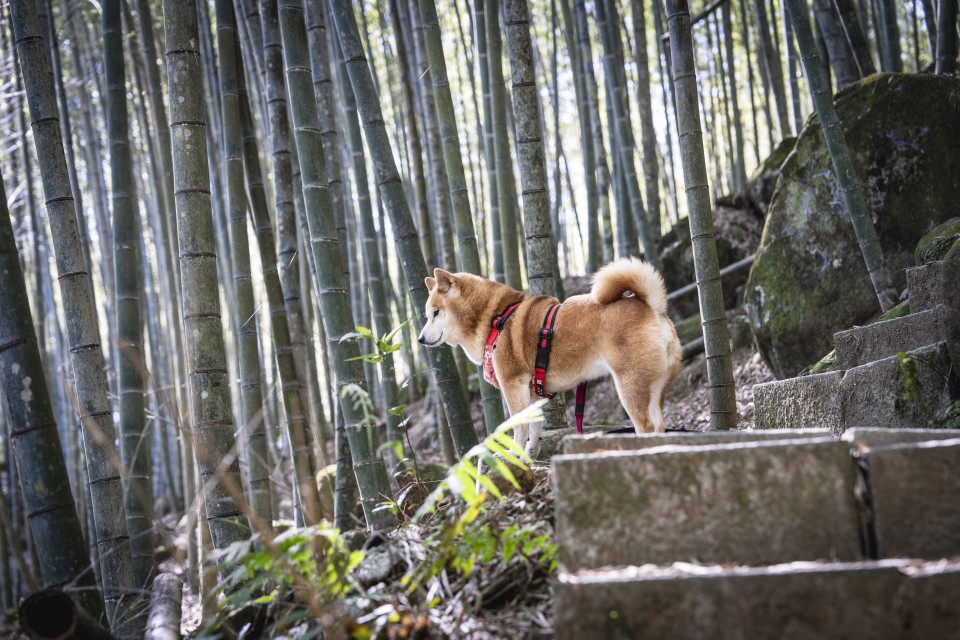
(545, 337)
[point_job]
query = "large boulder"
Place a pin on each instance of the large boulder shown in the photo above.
(809, 279)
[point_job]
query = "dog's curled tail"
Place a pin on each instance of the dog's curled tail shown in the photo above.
(629, 277)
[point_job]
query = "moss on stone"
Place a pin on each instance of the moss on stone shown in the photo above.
(809, 280)
(935, 245)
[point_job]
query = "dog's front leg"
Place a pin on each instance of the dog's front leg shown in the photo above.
(525, 435)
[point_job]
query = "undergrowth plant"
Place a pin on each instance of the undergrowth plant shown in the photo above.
(458, 506)
(291, 578)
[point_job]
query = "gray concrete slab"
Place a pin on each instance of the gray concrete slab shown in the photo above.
(924, 285)
(869, 437)
(915, 496)
(601, 442)
(799, 403)
(796, 601)
(861, 345)
(873, 394)
(749, 503)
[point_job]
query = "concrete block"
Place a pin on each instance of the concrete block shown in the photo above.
(799, 403)
(861, 345)
(929, 601)
(749, 503)
(601, 442)
(872, 394)
(924, 285)
(551, 443)
(869, 437)
(914, 491)
(799, 600)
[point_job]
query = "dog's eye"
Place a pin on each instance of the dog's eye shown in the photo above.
(436, 312)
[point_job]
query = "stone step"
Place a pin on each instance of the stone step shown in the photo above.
(865, 396)
(861, 345)
(914, 498)
(799, 403)
(876, 599)
(924, 284)
(870, 437)
(721, 503)
(873, 394)
(603, 442)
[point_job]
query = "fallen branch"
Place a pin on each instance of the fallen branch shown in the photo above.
(53, 615)
(164, 620)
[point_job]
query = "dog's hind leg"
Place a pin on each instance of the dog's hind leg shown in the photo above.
(638, 399)
(526, 435)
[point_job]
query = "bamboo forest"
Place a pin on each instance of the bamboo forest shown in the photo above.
(280, 355)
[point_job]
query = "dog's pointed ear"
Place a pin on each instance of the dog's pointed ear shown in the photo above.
(430, 282)
(446, 281)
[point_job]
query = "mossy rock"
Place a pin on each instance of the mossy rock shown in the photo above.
(809, 279)
(935, 245)
(761, 185)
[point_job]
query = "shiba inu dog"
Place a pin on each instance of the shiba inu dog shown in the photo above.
(619, 328)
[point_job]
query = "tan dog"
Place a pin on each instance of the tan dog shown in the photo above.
(619, 328)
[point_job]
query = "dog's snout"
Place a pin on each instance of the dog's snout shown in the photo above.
(421, 339)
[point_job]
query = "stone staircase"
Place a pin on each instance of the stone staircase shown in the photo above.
(832, 520)
(867, 390)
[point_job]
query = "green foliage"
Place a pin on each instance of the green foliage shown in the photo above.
(384, 345)
(466, 535)
(295, 574)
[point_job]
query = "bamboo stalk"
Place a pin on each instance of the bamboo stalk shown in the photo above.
(212, 424)
(854, 196)
(103, 463)
(331, 289)
(391, 190)
(723, 405)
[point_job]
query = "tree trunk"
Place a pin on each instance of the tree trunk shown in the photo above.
(39, 457)
(103, 462)
(373, 263)
(648, 135)
(771, 63)
(391, 190)
(489, 146)
(947, 37)
(506, 187)
(854, 195)
(888, 32)
(467, 249)
(842, 60)
(855, 35)
(723, 402)
(135, 439)
(330, 286)
(300, 436)
(533, 180)
(574, 48)
(739, 163)
(613, 65)
(251, 384)
(212, 424)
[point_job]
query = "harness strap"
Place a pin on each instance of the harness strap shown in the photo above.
(545, 336)
(495, 328)
(581, 402)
